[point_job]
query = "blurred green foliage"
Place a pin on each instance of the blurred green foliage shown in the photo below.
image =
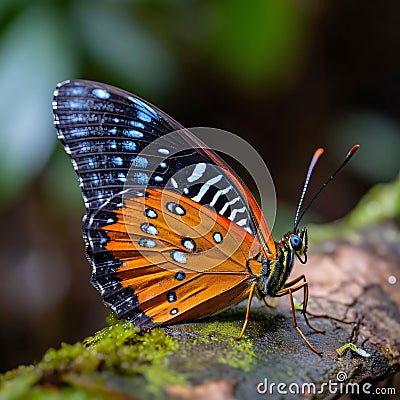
(381, 203)
(34, 53)
(258, 43)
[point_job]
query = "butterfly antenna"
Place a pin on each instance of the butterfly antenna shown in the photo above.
(318, 153)
(314, 160)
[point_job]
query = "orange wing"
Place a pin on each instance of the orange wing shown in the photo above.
(178, 261)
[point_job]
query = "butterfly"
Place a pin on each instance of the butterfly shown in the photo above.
(172, 233)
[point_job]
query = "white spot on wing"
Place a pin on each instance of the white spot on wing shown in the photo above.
(149, 228)
(145, 242)
(189, 245)
(217, 237)
(149, 212)
(178, 257)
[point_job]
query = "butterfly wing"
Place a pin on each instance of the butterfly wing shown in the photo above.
(107, 131)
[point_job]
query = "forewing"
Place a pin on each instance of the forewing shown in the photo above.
(108, 134)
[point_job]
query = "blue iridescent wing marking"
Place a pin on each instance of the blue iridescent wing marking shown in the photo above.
(104, 129)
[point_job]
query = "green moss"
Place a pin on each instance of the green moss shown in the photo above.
(351, 346)
(389, 351)
(16, 383)
(119, 350)
(40, 393)
(218, 339)
(222, 328)
(238, 354)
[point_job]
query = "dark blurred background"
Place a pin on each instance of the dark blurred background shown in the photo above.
(287, 76)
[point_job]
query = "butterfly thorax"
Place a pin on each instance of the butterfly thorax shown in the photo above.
(275, 272)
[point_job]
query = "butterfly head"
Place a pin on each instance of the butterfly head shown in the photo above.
(297, 243)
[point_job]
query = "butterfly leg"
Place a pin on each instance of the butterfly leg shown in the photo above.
(246, 320)
(289, 290)
(304, 311)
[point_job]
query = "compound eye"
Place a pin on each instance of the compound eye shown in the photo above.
(296, 242)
